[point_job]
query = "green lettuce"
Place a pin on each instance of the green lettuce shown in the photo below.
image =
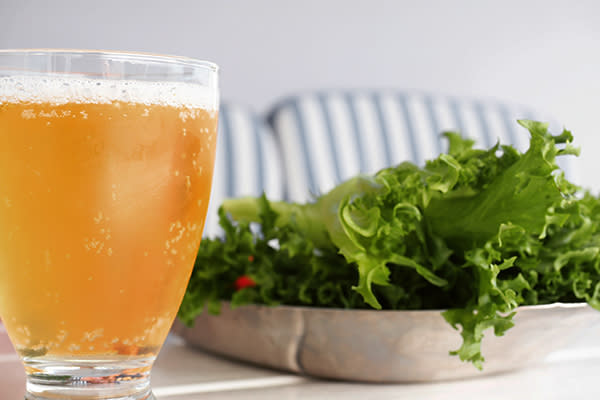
(474, 232)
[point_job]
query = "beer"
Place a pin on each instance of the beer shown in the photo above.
(104, 188)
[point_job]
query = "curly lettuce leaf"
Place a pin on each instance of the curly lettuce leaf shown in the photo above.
(475, 232)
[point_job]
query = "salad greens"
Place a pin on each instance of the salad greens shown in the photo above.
(474, 232)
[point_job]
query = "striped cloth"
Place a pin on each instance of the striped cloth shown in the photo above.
(247, 162)
(327, 137)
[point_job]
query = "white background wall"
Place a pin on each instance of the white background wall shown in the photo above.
(541, 53)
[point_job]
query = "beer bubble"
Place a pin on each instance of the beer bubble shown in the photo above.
(92, 335)
(74, 347)
(98, 218)
(62, 90)
(28, 114)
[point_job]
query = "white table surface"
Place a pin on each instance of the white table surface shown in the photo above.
(184, 373)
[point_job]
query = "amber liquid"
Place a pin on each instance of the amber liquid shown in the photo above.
(102, 208)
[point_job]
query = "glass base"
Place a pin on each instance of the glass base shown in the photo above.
(82, 379)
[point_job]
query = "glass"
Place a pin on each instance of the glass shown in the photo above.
(106, 164)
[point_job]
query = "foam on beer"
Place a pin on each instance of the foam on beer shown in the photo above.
(63, 90)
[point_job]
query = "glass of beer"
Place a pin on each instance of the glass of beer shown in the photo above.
(106, 163)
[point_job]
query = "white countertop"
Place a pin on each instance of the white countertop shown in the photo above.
(184, 373)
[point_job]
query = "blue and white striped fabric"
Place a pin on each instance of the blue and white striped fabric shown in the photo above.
(327, 137)
(247, 162)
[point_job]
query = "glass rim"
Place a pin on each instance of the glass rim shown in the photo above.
(118, 55)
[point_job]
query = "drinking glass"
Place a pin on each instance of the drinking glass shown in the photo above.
(106, 163)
